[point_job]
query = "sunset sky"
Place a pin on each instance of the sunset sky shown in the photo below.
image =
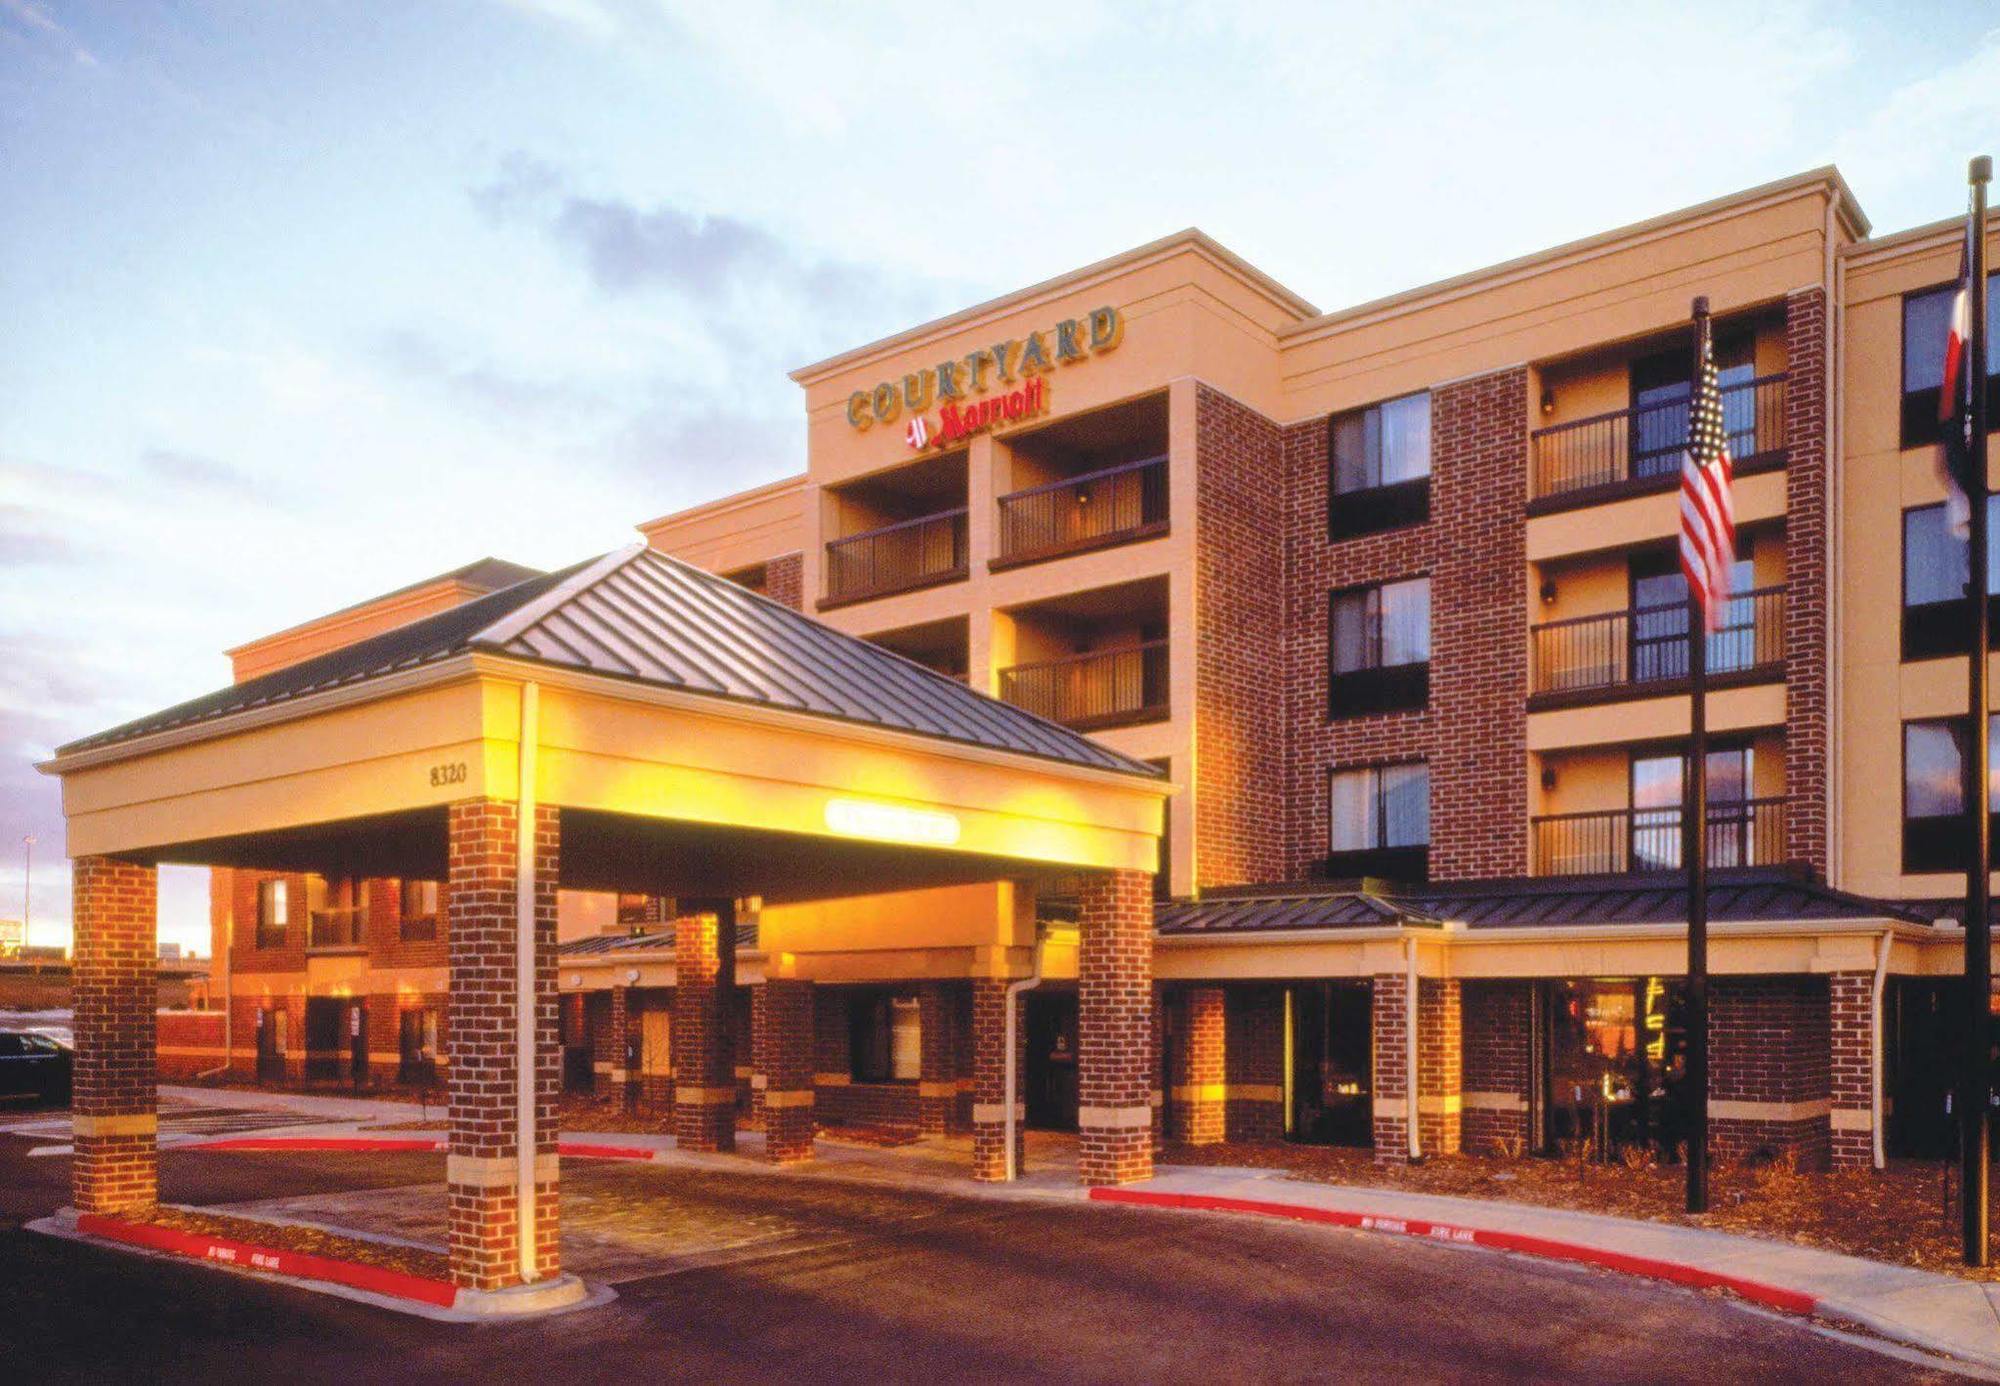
(306, 301)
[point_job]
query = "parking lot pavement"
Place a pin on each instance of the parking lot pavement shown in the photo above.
(747, 1275)
(179, 1119)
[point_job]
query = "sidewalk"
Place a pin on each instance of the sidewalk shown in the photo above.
(1939, 1313)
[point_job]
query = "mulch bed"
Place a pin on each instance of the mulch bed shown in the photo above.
(1898, 1215)
(312, 1241)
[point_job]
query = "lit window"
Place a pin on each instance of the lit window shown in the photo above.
(1379, 806)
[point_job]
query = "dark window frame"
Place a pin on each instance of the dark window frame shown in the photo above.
(273, 933)
(1940, 629)
(1375, 688)
(422, 925)
(1400, 861)
(1939, 843)
(871, 1056)
(1384, 505)
(1918, 425)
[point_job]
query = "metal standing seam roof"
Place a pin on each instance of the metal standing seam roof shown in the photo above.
(639, 615)
(655, 939)
(1748, 896)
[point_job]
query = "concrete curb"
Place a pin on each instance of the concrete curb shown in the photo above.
(376, 1145)
(1784, 1298)
(401, 1291)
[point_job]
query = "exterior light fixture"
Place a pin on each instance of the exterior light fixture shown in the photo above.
(1548, 401)
(576, 979)
(1548, 777)
(1548, 591)
(631, 975)
(891, 822)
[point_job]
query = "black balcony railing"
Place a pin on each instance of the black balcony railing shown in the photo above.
(1741, 832)
(1648, 645)
(1104, 688)
(338, 928)
(1641, 446)
(896, 558)
(1092, 511)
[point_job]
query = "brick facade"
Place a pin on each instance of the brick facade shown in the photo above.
(114, 991)
(482, 1171)
(1239, 725)
(784, 580)
(1498, 1035)
(704, 1045)
(1440, 1064)
(1770, 1050)
(1115, 1028)
(1474, 550)
(784, 1047)
(937, 1092)
(1808, 608)
(1389, 1006)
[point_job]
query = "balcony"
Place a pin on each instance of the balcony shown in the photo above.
(1094, 690)
(900, 557)
(1742, 832)
(1113, 505)
(333, 930)
(1636, 451)
(1643, 651)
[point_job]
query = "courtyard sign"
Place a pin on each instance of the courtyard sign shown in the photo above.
(988, 385)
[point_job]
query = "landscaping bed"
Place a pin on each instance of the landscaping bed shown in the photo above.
(1898, 1215)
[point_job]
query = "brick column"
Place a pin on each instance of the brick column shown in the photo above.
(1254, 1062)
(704, 1042)
(1440, 1065)
(1156, 1061)
(625, 1049)
(782, 1013)
(1852, 1119)
(1497, 1042)
(937, 1085)
(1387, 1010)
(1115, 1028)
(1769, 1057)
(113, 1107)
(482, 1171)
(989, 1081)
(1807, 585)
(1200, 1091)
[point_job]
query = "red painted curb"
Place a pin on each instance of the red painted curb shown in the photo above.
(577, 1150)
(223, 1250)
(1772, 1296)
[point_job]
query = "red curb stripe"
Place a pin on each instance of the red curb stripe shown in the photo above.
(579, 1150)
(224, 1251)
(1772, 1296)
(368, 1144)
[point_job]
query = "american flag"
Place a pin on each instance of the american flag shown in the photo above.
(1708, 516)
(1955, 401)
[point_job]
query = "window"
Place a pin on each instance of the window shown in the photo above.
(1658, 796)
(1380, 461)
(885, 1037)
(1661, 387)
(1379, 648)
(273, 915)
(1660, 618)
(420, 911)
(418, 1043)
(1934, 562)
(1924, 317)
(1379, 821)
(1934, 827)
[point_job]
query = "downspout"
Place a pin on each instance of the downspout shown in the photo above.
(1011, 1029)
(524, 978)
(1875, 1044)
(228, 1007)
(1410, 1045)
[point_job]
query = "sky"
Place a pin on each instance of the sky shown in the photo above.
(306, 301)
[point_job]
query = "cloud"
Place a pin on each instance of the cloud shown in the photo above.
(32, 537)
(27, 14)
(194, 469)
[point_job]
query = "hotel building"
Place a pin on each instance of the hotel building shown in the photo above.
(1388, 595)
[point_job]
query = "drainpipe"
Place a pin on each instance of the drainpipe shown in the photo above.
(1410, 1045)
(524, 979)
(1014, 990)
(228, 1009)
(1875, 1044)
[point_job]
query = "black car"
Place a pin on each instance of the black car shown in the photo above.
(34, 1066)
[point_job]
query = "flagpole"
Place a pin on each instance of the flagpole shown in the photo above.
(1975, 1087)
(1694, 848)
